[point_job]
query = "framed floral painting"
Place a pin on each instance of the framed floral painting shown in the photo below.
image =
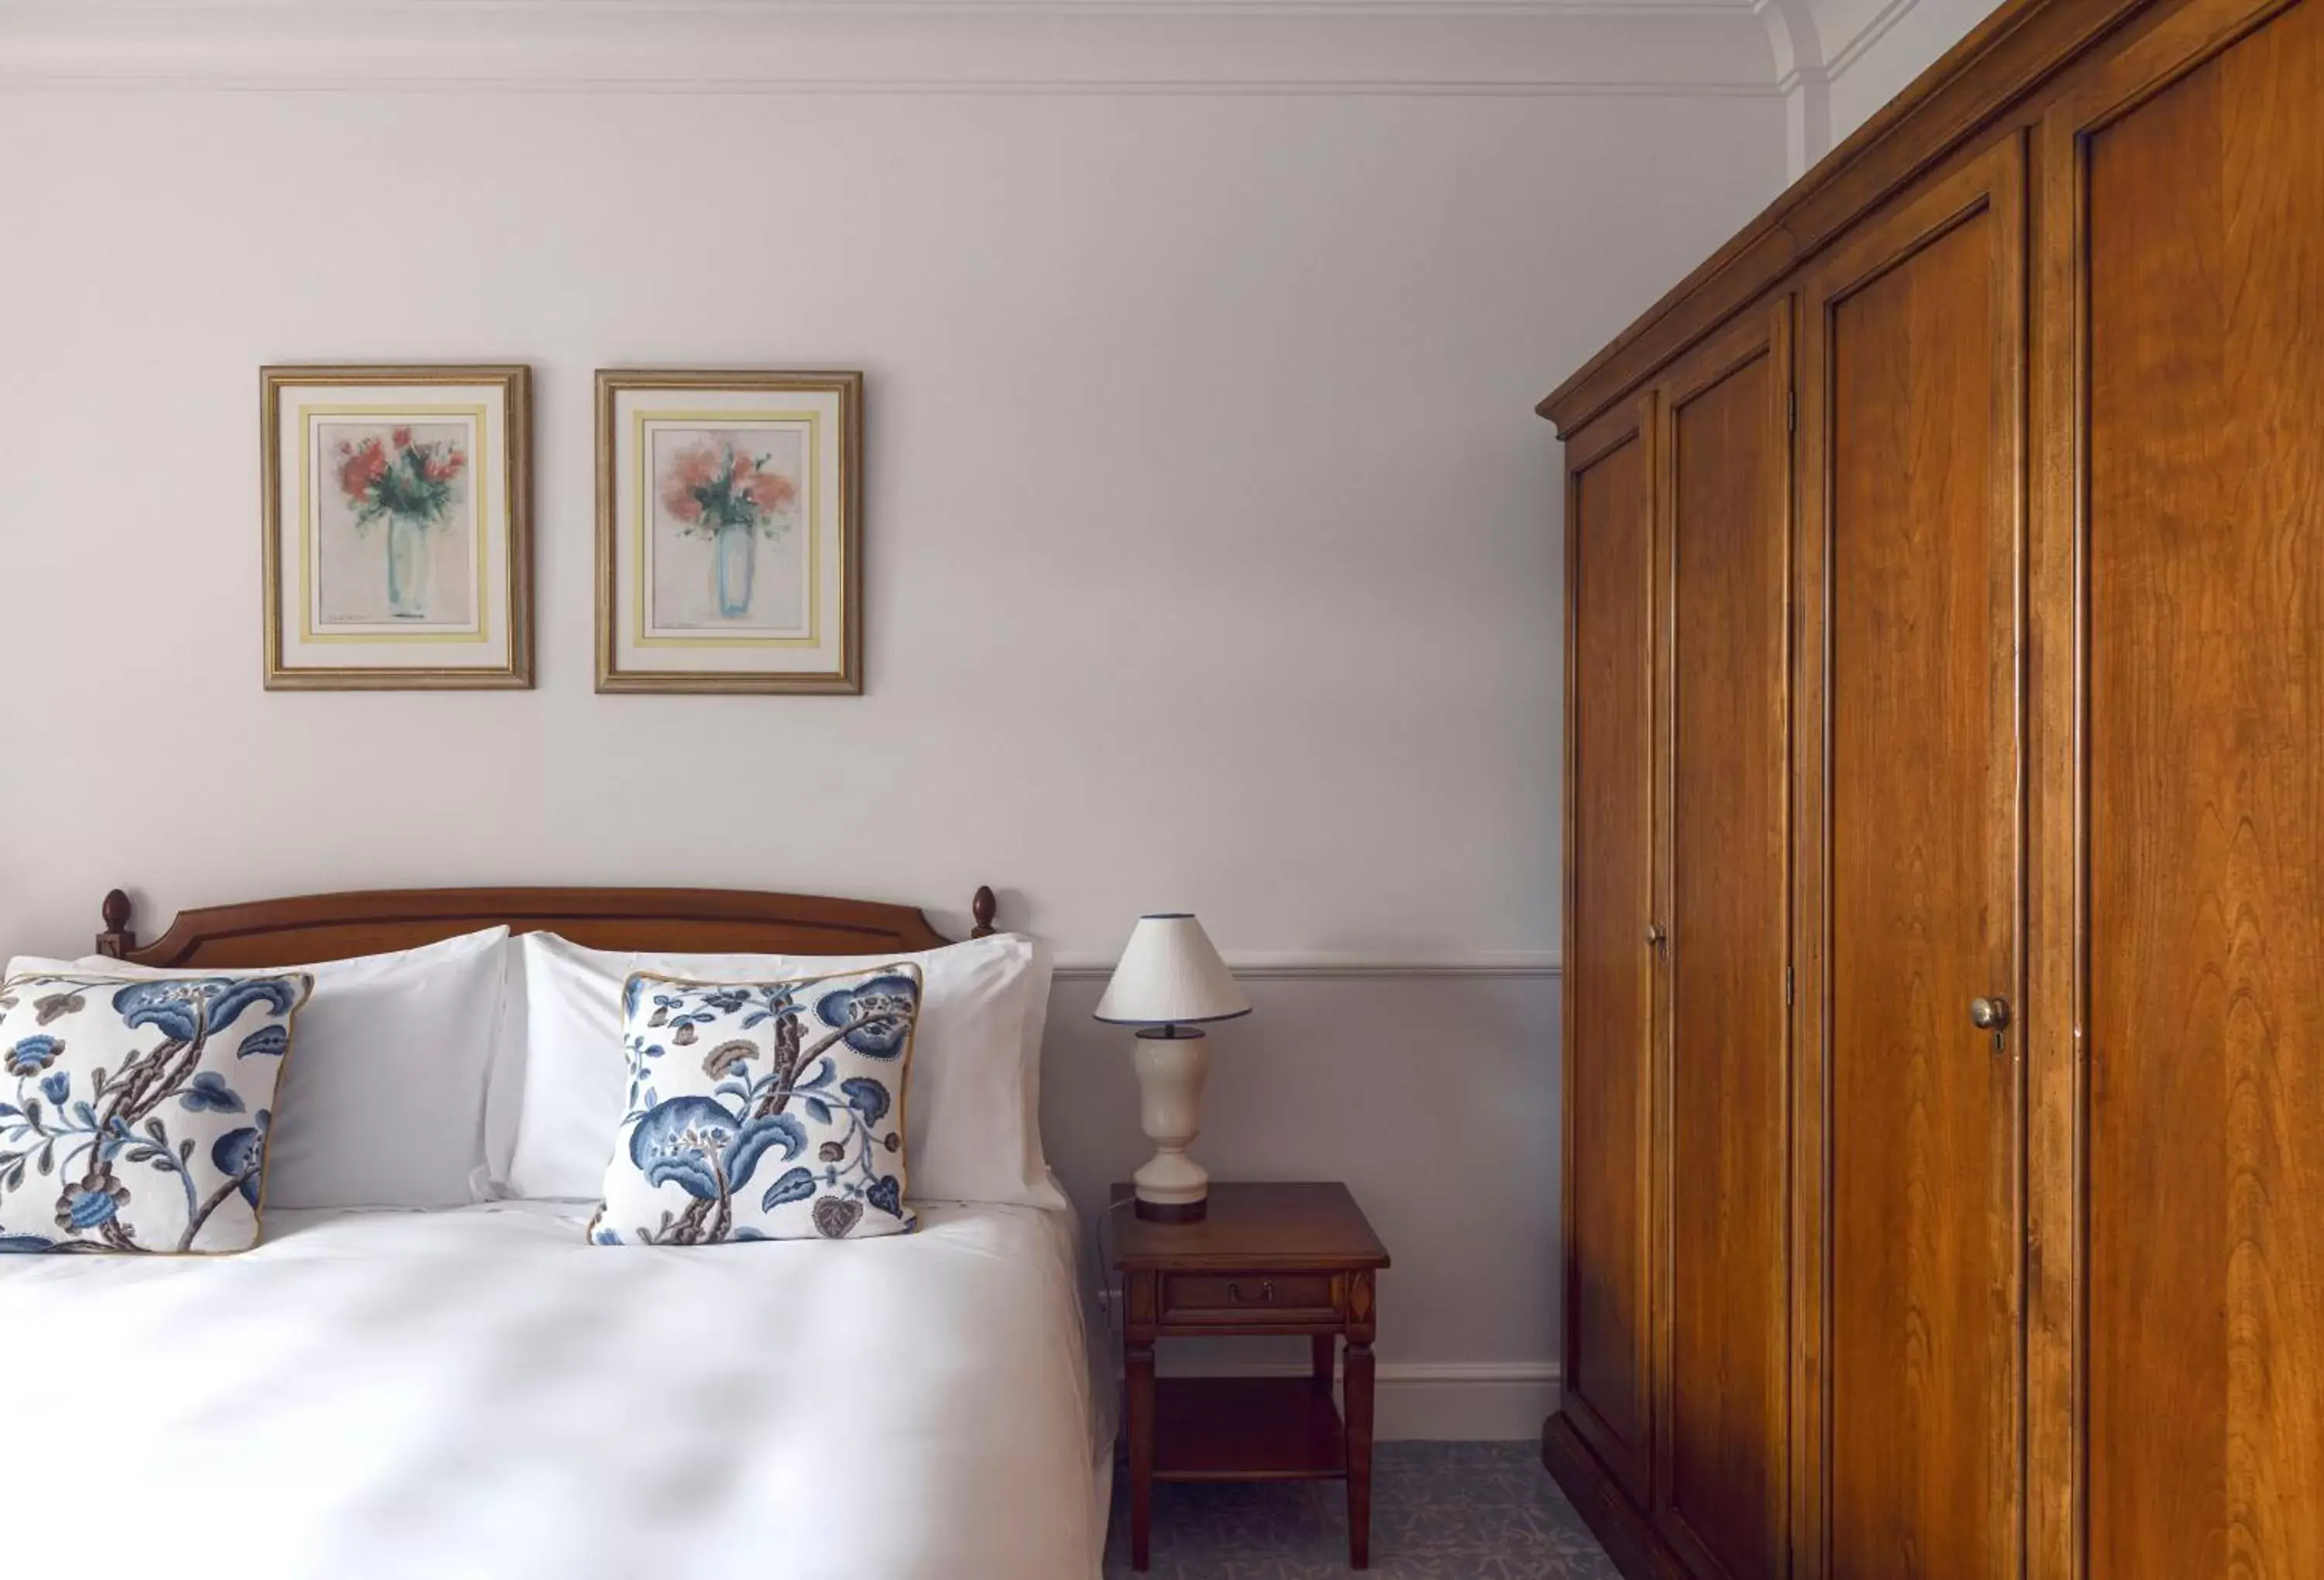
(398, 533)
(730, 531)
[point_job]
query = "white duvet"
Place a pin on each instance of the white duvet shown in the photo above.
(480, 1393)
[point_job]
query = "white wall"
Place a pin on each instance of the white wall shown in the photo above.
(1448, 1138)
(1900, 43)
(1212, 540)
(1837, 61)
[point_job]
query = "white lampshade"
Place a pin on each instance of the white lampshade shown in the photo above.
(1169, 975)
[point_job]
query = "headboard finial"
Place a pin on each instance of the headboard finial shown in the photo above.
(983, 908)
(116, 939)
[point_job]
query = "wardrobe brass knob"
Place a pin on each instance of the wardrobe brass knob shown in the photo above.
(1988, 1015)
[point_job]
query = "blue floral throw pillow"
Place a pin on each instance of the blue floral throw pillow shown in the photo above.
(762, 1110)
(133, 1114)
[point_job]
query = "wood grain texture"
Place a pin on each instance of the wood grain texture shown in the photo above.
(1255, 1225)
(1359, 1384)
(2051, 1041)
(1723, 1087)
(2063, 1308)
(2205, 267)
(1608, 982)
(1617, 1523)
(1245, 1297)
(1804, 1519)
(311, 928)
(1246, 1429)
(1917, 341)
(1138, 1412)
(1312, 1243)
(1998, 74)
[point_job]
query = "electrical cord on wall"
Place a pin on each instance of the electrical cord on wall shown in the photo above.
(1099, 1226)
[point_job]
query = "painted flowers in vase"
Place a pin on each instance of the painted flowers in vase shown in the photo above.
(412, 486)
(718, 491)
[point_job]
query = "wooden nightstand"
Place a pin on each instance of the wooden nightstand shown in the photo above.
(1271, 1261)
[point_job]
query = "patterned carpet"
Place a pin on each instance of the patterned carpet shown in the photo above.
(1440, 1512)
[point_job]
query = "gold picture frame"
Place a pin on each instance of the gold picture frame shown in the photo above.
(396, 541)
(730, 525)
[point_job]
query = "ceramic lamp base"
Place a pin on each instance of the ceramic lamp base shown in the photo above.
(1172, 1064)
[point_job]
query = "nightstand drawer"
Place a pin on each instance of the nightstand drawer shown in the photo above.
(1273, 1262)
(1249, 1297)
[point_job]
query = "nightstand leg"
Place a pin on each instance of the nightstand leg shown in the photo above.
(1138, 1373)
(1325, 1349)
(1359, 1454)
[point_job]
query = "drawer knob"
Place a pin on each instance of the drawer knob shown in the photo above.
(1265, 1296)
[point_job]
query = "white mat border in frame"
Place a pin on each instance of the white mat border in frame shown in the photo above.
(500, 656)
(832, 662)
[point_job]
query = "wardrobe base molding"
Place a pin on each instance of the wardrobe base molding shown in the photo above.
(1624, 1532)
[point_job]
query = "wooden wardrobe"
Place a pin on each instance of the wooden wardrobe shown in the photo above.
(1944, 846)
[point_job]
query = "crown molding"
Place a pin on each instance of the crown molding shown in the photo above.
(1869, 30)
(1814, 43)
(1835, 34)
(1795, 39)
(2005, 59)
(700, 48)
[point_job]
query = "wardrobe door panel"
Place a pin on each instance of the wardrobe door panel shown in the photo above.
(1609, 875)
(1722, 1379)
(1916, 347)
(2203, 258)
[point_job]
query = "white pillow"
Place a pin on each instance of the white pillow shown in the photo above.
(384, 1104)
(973, 1092)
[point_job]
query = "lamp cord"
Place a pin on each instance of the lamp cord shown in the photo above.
(1108, 1295)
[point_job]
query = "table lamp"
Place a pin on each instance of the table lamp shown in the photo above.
(1168, 982)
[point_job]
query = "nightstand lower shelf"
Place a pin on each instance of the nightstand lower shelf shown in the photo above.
(1247, 1429)
(1268, 1261)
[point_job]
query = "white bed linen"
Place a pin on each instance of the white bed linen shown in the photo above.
(478, 1392)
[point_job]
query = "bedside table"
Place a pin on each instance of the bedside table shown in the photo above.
(1267, 1261)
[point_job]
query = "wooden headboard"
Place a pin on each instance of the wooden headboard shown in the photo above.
(308, 928)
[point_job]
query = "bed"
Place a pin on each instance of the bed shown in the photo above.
(478, 1391)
